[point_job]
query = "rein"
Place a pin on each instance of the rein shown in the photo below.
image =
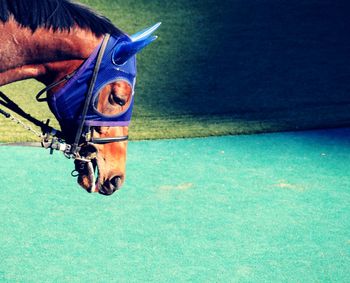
(9, 104)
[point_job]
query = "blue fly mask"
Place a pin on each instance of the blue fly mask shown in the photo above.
(118, 69)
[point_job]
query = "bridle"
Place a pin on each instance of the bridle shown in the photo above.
(74, 104)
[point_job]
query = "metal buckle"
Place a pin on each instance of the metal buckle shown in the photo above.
(53, 143)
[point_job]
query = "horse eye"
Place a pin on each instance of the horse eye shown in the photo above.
(114, 99)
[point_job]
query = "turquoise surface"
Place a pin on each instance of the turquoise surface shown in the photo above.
(260, 208)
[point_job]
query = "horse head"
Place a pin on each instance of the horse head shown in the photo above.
(51, 39)
(109, 112)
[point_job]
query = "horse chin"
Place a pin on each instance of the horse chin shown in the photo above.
(90, 187)
(87, 168)
(88, 178)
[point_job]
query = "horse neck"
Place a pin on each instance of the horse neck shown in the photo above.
(44, 55)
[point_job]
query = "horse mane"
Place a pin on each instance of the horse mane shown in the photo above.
(55, 15)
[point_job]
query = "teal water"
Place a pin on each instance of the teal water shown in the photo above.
(260, 208)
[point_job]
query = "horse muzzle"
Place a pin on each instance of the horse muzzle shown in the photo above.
(89, 178)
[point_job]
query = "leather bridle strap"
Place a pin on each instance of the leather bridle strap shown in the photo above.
(108, 140)
(75, 146)
(39, 97)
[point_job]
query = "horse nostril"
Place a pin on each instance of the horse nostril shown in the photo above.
(116, 182)
(106, 191)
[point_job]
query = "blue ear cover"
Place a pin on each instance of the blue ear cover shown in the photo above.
(126, 49)
(144, 33)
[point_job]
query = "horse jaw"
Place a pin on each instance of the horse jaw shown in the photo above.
(111, 158)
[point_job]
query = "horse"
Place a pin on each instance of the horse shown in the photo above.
(89, 67)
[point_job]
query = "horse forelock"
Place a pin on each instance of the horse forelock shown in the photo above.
(55, 15)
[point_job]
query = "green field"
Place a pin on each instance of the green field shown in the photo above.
(257, 208)
(228, 68)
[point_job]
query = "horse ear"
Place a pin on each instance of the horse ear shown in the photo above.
(140, 40)
(145, 33)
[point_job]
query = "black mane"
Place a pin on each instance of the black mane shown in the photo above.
(55, 14)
